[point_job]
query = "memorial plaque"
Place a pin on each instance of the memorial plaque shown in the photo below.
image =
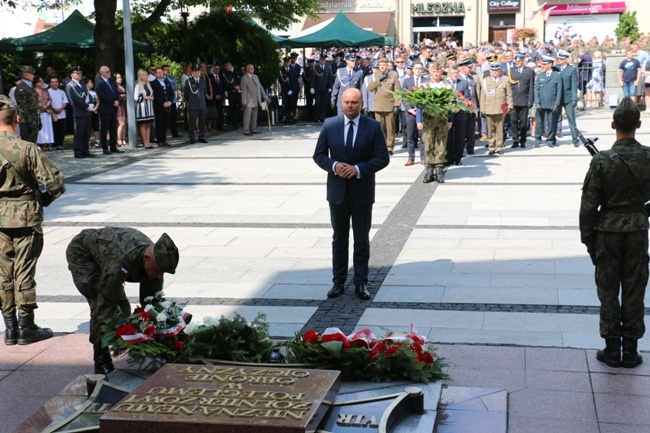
(182, 398)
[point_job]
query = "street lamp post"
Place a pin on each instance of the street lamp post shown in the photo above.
(185, 14)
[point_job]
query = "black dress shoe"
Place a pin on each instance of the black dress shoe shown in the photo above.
(106, 152)
(192, 141)
(361, 291)
(88, 155)
(336, 290)
(116, 150)
(522, 145)
(78, 155)
(176, 135)
(202, 140)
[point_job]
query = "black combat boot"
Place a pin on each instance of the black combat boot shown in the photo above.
(611, 354)
(631, 358)
(103, 361)
(29, 332)
(439, 173)
(11, 328)
(428, 175)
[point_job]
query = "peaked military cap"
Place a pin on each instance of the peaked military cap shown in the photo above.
(286, 59)
(294, 54)
(495, 66)
(465, 62)
(546, 60)
(375, 64)
(520, 56)
(196, 67)
(352, 57)
(166, 254)
(75, 70)
(408, 64)
(6, 103)
(563, 54)
(323, 55)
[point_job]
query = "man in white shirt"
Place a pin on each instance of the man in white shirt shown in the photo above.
(59, 105)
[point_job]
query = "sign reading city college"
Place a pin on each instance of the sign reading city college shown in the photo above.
(438, 8)
(504, 6)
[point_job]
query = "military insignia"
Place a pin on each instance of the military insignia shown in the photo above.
(124, 273)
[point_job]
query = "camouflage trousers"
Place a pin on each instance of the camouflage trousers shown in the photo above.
(20, 249)
(434, 135)
(29, 132)
(103, 299)
(621, 268)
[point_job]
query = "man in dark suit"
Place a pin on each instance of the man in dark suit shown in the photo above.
(163, 95)
(290, 88)
(194, 94)
(465, 73)
(322, 84)
(548, 97)
(79, 99)
(413, 135)
(523, 97)
(569, 76)
(351, 148)
(456, 135)
(109, 100)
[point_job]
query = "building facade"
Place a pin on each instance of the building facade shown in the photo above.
(412, 21)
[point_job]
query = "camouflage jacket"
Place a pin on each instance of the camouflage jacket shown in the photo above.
(117, 252)
(29, 107)
(19, 203)
(608, 204)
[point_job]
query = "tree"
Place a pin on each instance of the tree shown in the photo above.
(628, 27)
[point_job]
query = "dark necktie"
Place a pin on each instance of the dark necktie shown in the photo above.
(349, 139)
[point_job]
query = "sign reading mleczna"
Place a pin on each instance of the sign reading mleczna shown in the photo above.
(258, 398)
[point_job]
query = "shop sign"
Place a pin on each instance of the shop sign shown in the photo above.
(438, 8)
(504, 6)
(586, 8)
(362, 4)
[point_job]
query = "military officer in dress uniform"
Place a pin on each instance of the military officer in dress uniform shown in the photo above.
(194, 95)
(102, 260)
(465, 73)
(23, 166)
(29, 107)
(307, 83)
(322, 85)
(232, 85)
(569, 75)
(290, 87)
(346, 78)
(81, 103)
(384, 82)
(456, 136)
(548, 97)
(522, 81)
(496, 99)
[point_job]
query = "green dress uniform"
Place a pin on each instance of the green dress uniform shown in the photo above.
(101, 261)
(614, 227)
(21, 235)
(29, 111)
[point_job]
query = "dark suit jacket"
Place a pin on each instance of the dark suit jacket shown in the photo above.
(409, 83)
(369, 154)
(194, 94)
(160, 95)
(569, 84)
(523, 94)
(322, 77)
(78, 97)
(107, 95)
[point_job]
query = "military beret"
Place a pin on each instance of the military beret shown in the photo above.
(494, 66)
(546, 60)
(561, 54)
(26, 69)
(166, 254)
(6, 103)
(627, 111)
(352, 57)
(465, 62)
(196, 67)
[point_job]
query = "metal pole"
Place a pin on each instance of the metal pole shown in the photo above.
(129, 71)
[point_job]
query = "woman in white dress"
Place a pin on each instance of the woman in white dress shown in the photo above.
(143, 94)
(45, 137)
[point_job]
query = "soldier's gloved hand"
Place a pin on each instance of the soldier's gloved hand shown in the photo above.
(574, 104)
(46, 199)
(395, 110)
(383, 77)
(556, 109)
(365, 112)
(312, 91)
(290, 92)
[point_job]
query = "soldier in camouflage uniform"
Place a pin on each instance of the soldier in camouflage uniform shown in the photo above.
(614, 227)
(22, 167)
(29, 108)
(435, 131)
(102, 260)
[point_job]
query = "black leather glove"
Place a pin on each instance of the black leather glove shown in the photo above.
(556, 109)
(46, 199)
(365, 112)
(383, 77)
(574, 104)
(396, 110)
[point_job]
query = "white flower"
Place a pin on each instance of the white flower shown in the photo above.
(166, 304)
(148, 299)
(161, 317)
(159, 294)
(190, 328)
(148, 307)
(210, 321)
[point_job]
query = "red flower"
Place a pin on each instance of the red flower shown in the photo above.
(144, 315)
(392, 349)
(311, 336)
(380, 346)
(347, 345)
(334, 337)
(415, 347)
(178, 345)
(428, 358)
(126, 329)
(138, 310)
(373, 354)
(149, 330)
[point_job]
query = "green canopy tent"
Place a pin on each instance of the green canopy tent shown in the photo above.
(76, 33)
(339, 31)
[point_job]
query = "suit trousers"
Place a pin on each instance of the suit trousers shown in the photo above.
(234, 109)
(81, 135)
(322, 104)
(495, 131)
(470, 132)
(161, 119)
(519, 124)
(250, 118)
(59, 132)
(387, 120)
(546, 118)
(340, 216)
(413, 137)
(173, 119)
(456, 139)
(197, 115)
(309, 104)
(108, 125)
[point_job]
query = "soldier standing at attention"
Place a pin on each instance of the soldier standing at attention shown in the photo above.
(23, 166)
(614, 227)
(384, 82)
(29, 108)
(101, 260)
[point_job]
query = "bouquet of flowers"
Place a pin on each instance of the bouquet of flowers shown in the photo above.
(153, 334)
(437, 102)
(364, 356)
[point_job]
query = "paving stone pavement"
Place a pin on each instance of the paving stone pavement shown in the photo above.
(489, 265)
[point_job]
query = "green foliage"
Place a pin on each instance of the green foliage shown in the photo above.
(628, 27)
(436, 102)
